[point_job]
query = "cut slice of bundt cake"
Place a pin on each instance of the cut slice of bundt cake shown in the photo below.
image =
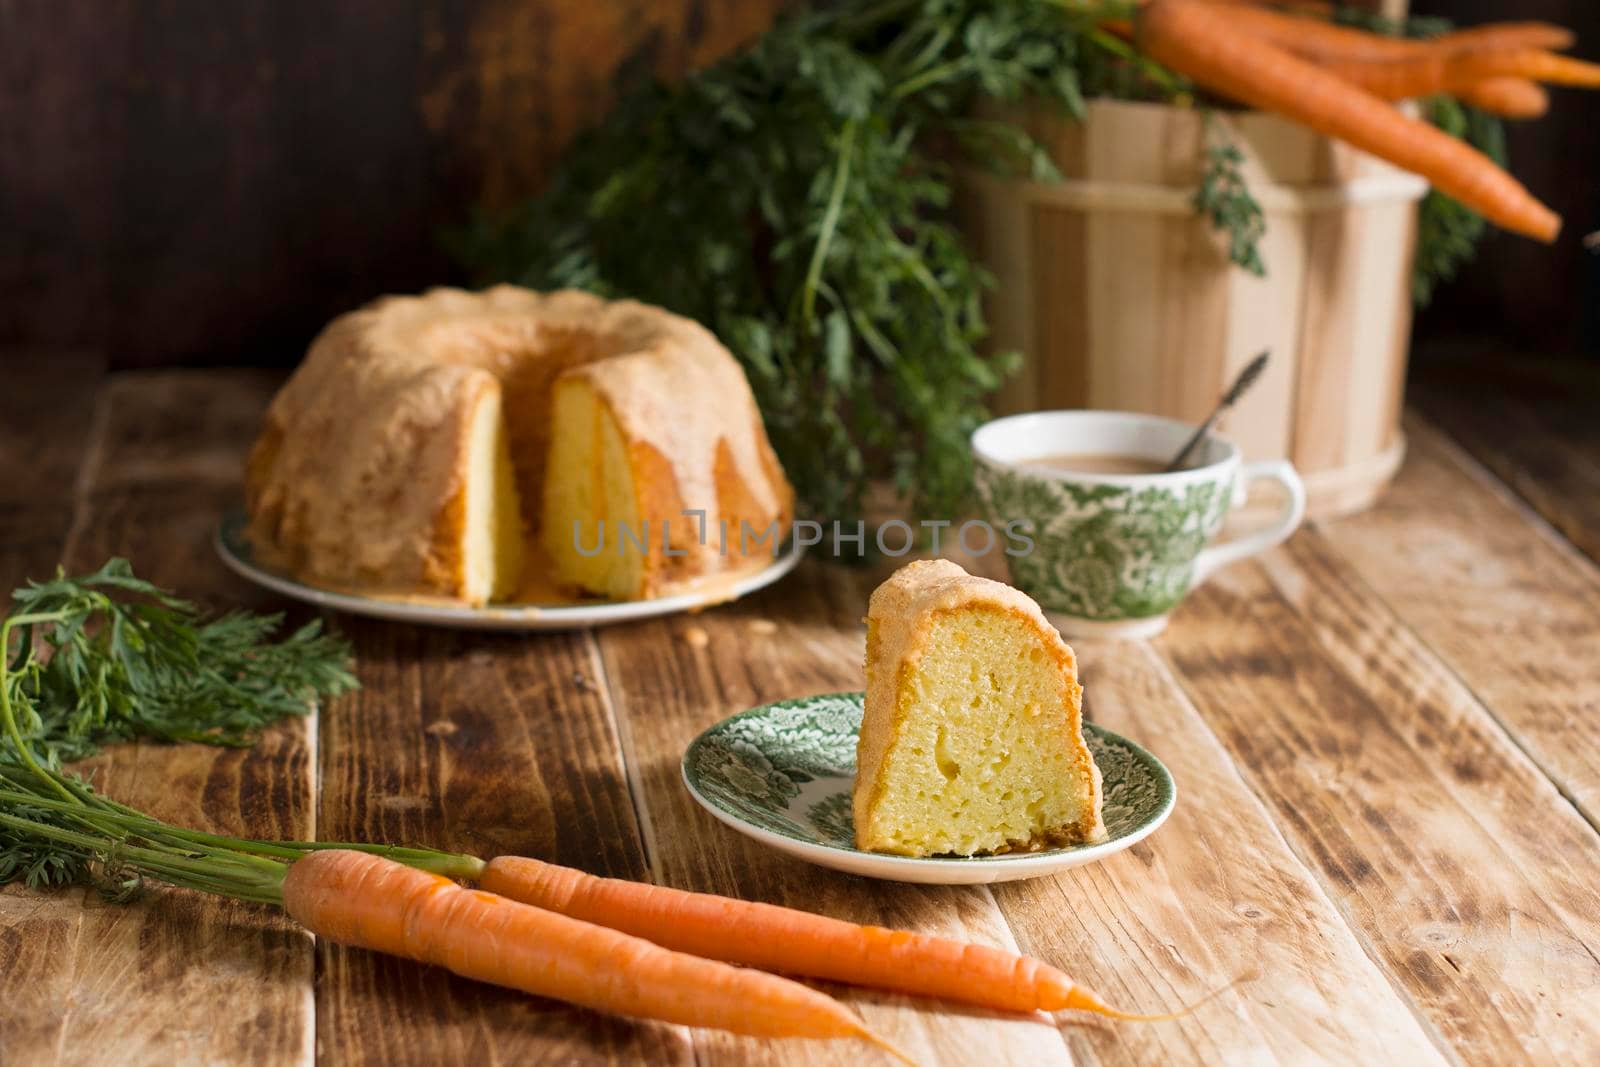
(972, 738)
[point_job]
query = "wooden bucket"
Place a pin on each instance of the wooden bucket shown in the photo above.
(1120, 297)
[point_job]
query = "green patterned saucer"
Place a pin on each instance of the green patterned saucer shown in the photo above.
(782, 774)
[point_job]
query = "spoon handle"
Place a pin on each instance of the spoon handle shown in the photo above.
(1182, 457)
(1241, 384)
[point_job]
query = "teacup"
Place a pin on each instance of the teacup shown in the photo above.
(1112, 554)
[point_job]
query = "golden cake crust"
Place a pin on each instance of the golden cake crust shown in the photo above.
(899, 624)
(358, 475)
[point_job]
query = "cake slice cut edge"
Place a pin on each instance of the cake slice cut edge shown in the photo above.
(482, 526)
(591, 498)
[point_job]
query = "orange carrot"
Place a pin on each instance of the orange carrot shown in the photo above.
(356, 898)
(797, 942)
(1324, 41)
(1316, 38)
(1506, 35)
(1401, 79)
(1316, 8)
(1193, 38)
(1512, 98)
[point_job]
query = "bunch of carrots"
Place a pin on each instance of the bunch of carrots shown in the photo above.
(1342, 82)
(637, 950)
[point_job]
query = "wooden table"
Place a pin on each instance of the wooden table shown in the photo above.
(1385, 734)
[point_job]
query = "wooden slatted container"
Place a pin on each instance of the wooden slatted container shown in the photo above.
(1121, 297)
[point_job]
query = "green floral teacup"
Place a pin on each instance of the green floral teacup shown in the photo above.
(1110, 554)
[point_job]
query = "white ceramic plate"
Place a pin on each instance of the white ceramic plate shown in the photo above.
(782, 774)
(234, 548)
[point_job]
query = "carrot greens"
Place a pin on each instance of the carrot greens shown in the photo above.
(1224, 198)
(107, 656)
(56, 830)
(103, 657)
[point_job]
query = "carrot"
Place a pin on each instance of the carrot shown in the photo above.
(1512, 98)
(1193, 38)
(356, 898)
(797, 942)
(1396, 68)
(1318, 39)
(1400, 79)
(1315, 8)
(1505, 35)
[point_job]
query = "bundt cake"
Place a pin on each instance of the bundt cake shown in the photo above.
(972, 737)
(459, 444)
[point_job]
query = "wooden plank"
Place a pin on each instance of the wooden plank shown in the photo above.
(1215, 895)
(488, 744)
(46, 423)
(673, 677)
(183, 429)
(1532, 423)
(1453, 858)
(38, 931)
(175, 977)
(1508, 605)
(1052, 263)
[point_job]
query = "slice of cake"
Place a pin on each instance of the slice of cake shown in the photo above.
(972, 739)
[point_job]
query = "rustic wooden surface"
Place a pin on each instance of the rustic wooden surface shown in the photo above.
(1383, 735)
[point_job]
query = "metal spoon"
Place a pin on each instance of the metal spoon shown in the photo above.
(1240, 386)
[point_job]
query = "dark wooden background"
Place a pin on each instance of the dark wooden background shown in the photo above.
(204, 181)
(1518, 295)
(188, 181)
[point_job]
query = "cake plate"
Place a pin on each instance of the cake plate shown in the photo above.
(234, 548)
